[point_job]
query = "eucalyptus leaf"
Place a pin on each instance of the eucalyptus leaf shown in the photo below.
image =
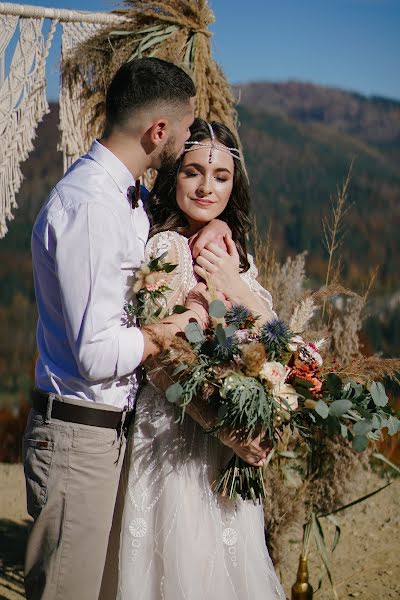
(220, 333)
(178, 370)
(322, 409)
(358, 389)
(230, 330)
(194, 333)
(362, 427)
(393, 425)
(217, 309)
(378, 394)
(360, 443)
(179, 309)
(343, 430)
(339, 407)
(376, 422)
(174, 393)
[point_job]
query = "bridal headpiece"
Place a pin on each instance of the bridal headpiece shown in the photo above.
(213, 145)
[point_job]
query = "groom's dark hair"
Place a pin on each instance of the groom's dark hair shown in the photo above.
(143, 83)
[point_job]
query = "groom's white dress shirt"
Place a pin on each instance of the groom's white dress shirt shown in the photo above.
(86, 243)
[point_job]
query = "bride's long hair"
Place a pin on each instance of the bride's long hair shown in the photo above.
(165, 214)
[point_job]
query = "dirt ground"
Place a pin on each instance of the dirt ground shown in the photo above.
(366, 564)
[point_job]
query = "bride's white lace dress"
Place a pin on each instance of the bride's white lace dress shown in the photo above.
(179, 540)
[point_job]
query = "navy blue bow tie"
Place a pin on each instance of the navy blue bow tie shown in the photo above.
(133, 195)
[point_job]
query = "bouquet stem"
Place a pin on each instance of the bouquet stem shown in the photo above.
(240, 478)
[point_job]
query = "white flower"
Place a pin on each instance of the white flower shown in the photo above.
(295, 342)
(273, 372)
(309, 352)
(286, 392)
(242, 336)
(140, 277)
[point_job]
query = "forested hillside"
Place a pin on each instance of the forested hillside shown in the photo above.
(299, 141)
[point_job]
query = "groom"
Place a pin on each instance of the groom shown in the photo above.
(87, 240)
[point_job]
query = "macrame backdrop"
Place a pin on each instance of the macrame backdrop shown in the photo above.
(74, 121)
(22, 102)
(94, 45)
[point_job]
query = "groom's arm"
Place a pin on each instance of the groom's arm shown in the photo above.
(214, 232)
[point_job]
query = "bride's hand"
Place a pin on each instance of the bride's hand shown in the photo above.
(221, 268)
(253, 451)
(198, 300)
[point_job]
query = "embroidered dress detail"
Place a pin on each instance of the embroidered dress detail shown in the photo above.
(179, 540)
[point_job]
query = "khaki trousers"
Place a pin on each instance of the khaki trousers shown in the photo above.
(72, 477)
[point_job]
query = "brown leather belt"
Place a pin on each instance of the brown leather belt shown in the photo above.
(80, 414)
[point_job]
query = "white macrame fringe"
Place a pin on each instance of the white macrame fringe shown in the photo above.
(72, 122)
(23, 101)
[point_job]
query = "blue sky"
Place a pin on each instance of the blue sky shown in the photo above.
(351, 44)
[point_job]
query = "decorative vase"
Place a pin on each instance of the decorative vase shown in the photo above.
(302, 590)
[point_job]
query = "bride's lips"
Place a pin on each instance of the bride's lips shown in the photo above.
(202, 201)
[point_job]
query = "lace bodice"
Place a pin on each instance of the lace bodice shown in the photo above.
(183, 278)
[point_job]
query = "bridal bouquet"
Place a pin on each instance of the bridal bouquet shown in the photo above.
(262, 380)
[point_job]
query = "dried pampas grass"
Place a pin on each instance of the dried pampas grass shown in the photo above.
(302, 315)
(173, 30)
(367, 369)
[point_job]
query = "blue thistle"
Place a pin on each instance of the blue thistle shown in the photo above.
(221, 350)
(275, 336)
(240, 316)
(226, 349)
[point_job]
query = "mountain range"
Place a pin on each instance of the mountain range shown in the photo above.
(299, 141)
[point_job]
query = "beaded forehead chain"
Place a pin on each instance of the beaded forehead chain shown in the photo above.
(234, 152)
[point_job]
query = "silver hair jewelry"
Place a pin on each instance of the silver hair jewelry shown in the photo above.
(234, 152)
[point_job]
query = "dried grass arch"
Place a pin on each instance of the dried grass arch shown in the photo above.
(173, 30)
(94, 45)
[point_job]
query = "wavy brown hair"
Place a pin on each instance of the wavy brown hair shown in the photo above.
(165, 214)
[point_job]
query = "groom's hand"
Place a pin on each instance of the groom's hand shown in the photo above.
(213, 232)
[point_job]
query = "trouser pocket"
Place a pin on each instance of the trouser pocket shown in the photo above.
(38, 456)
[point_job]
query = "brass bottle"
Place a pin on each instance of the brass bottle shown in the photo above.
(302, 590)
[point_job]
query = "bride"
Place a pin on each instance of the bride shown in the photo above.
(179, 539)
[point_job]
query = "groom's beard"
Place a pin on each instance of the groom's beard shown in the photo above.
(168, 156)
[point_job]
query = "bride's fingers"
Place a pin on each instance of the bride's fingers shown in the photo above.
(206, 264)
(211, 257)
(230, 246)
(215, 249)
(200, 271)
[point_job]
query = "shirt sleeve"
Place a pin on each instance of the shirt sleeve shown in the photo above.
(88, 257)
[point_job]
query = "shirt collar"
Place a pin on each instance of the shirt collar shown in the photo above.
(114, 167)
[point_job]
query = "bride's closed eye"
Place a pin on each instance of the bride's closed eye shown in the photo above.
(190, 173)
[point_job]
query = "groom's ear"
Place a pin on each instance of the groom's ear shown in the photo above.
(159, 131)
